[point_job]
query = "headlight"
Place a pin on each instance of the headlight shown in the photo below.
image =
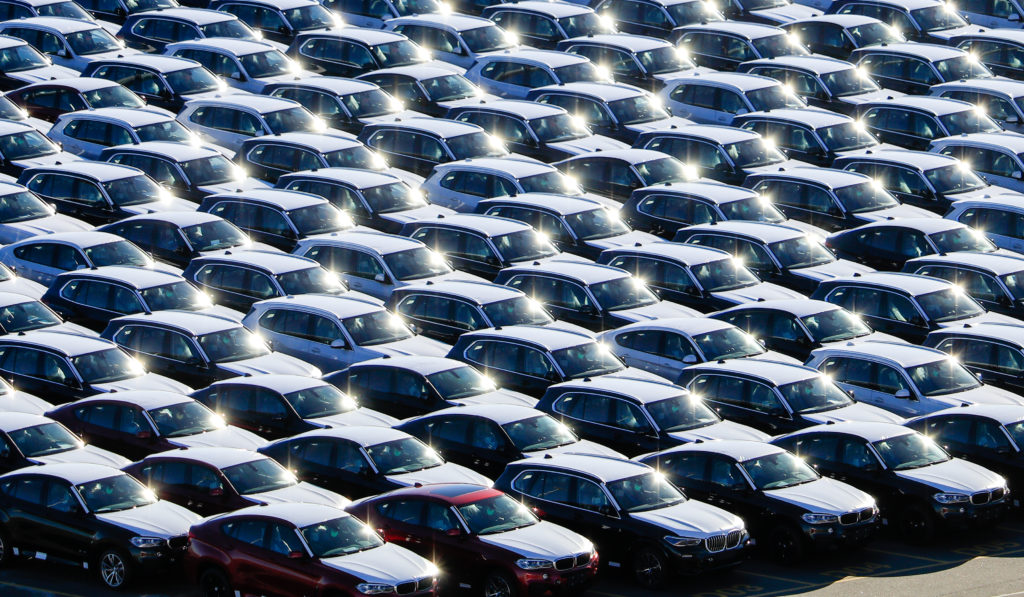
(530, 564)
(951, 498)
(147, 542)
(374, 588)
(818, 518)
(682, 541)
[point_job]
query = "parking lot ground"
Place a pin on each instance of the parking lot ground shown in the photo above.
(982, 563)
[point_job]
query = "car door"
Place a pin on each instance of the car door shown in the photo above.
(233, 286)
(285, 563)
(42, 374)
(68, 531)
(744, 401)
(660, 352)
(334, 464)
(26, 511)
(365, 273)
(566, 300)
(169, 353)
(513, 366)
(432, 316)
(307, 336)
(94, 303)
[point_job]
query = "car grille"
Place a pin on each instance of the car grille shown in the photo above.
(733, 539)
(178, 543)
(715, 543)
(859, 516)
(415, 586)
(984, 497)
(572, 562)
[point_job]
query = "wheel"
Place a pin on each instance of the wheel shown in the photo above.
(115, 569)
(214, 583)
(499, 584)
(650, 568)
(916, 523)
(785, 544)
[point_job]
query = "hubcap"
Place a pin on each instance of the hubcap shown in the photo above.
(648, 569)
(497, 587)
(112, 569)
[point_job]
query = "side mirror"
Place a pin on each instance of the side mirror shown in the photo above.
(1013, 17)
(1011, 119)
(1017, 174)
(216, 491)
(690, 359)
(588, 310)
(143, 434)
(296, 555)
(5, 453)
(196, 362)
(65, 53)
(237, 76)
(380, 278)
(339, 343)
(72, 383)
(284, 30)
(903, 394)
(928, 194)
(456, 532)
(1004, 450)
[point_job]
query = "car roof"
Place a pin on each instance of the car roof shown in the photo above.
(455, 21)
(872, 432)
(1006, 414)
(487, 225)
(743, 29)
(1007, 332)
(8, 127)
(421, 364)
(101, 171)
(158, 62)
(238, 47)
(340, 305)
(588, 273)
(1011, 87)
(356, 177)
(131, 116)
(196, 323)
(999, 264)
(272, 261)
(906, 355)
(285, 200)
(178, 152)
(60, 24)
(75, 473)
(180, 219)
(847, 20)
(12, 421)
(930, 52)
(145, 399)
(217, 457)
(909, 4)
(277, 382)
(12, 298)
(515, 167)
(814, 117)
(199, 16)
(798, 307)
(1015, 201)
(631, 43)
(549, 337)
(925, 225)
(439, 126)
(829, 177)
(911, 283)
(283, 4)
(416, 71)
(561, 204)
(631, 155)
(299, 514)
(480, 292)
(688, 254)
(79, 238)
(361, 434)
(1014, 143)
(319, 142)
(762, 231)
(642, 390)
(924, 160)
(608, 92)
(776, 372)
(689, 326)
(720, 134)
(713, 191)
(502, 414)
(521, 108)
(78, 83)
(9, 41)
(740, 450)
(930, 103)
(742, 81)
(338, 85)
(380, 243)
(606, 468)
(1001, 33)
(555, 9)
(139, 277)
(549, 58)
(815, 63)
(454, 493)
(261, 103)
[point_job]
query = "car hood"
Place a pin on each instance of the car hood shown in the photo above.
(948, 34)
(469, 101)
(160, 519)
(223, 312)
(895, 213)
(499, 396)
(356, 416)
(691, 519)
(858, 411)
(147, 381)
(679, 74)
(251, 246)
(634, 373)
(872, 337)
(955, 475)
(46, 73)
(72, 328)
(300, 493)
(784, 165)
(826, 496)
(786, 14)
(387, 118)
(565, 325)
(984, 193)
(543, 540)
(47, 160)
(448, 472)
(840, 268)
(720, 430)
(623, 240)
(387, 564)
(583, 446)
(275, 362)
(588, 144)
(23, 286)
(16, 231)
(415, 346)
(988, 317)
(246, 184)
(171, 204)
(764, 290)
(981, 395)
(226, 437)
(659, 125)
(870, 96)
(659, 310)
(111, 55)
(427, 212)
(22, 402)
(451, 276)
(84, 455)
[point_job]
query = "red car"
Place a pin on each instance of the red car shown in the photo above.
(484, 539)
(300, 549)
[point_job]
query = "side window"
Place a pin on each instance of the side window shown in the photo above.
(547, 486)
(855, 454)
(629, 416)
(248, 532)
(724, 473)
(590, 496)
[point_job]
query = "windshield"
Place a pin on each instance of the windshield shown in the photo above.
(691, 13)
(814, 395)
(192, 80)
(212, 170)
(865, 197)
(835, 325)
(645, 492)
(258, 476)
(177, 295)
(68, 10)
(962, 239)
(753, 153)
(106, 366)
(937, 18)
(581, 71)
(213, 236)
(912, 450)
(22, 206)
(801, 252)
(583, 24)
(19, 58)
(521, 310)
(292, 120)
(524, 245)
(955, 178)
(681, 413)
(850, 81)
(313, 16)
(559, 127)
(135, 6)
(232, 344)
(969, 121)
(320, 401)
(637, 110)
(416, 7)
(10, 111)
(752, 209)
(397, 53)
(113, 494)
(947, 376)
(586, 360)
(339, 537)
(776, 471)
(623, 293)
(416, 264)
(92, 41)
(762, 4)
(185, 418)
(667, 169)
(782, 44)
(228, 28)
(43, 440)
(773, 98)
(595, 224)
(119, 252)
(311, 280)
(476, 145)
(550, 182)
(266, 64)
(367, 104)
(30, 315)
(948, 305)
(448, 88)
(378, 327)
(461, 382)
(846, 137)
(170, 130)
(497, 514)
(539, 433)
(134, 190)
(870, 34)
(27, 145)
(962, 67)
(489, 38)
(1016, 431)
(724, 274)
(662, 60)
(389, 198)
(405, 455)
(1015, 284)
(114, 96)
(727, 343)
(319, 219)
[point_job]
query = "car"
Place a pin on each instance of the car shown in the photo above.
(335, 331)
(151, 30)
(69, 43)
(12, 401)
(815, 136)
(379, 264)
(928, 180)
(916, 122)
(358, 461)
(914, 67)
(29, 439)
(796, 327)
(667, 346)
(20, 314)
(46, 100)
(237, 279)
(513, 73)
(454, 38)
(617, 173)
(918, 486)
(115, 12)
(419, 144)
(242, 64)
(93, 499)
(988, 351)
(831, 199)
(611, 109)
(446, 309)
(724, 45)
(488, 537)
(276, 217)
(12, 283)
(1000, 218)
(99, 192)
(22, 146)
(756, 480)
(344, 104)
(280, 21)
(888, 245)
(486, 437)
(717, 98)
(23, 215)
(573, 224)
(826, 83)
(379, 200)
(625, 507)
(86, 133)
(430, 90)
(529, 359)
(636, 416)
(988, 278)
(275, 405)
(142, 422)
(785, 256)
(162, 81)
(771, 13)
(835, 35)
(352, 51)
(998, 49)
(702, 278)
(542, 25)
(918, 20)
(995, 156)
(485, 245)
(21, 64)
(724, 153)
(217, 480)
(19, 9)
(905, 379)
(413, 385)
(337, 552)
(373, 15)
(656, 18)
(543, 131)
(645, 62)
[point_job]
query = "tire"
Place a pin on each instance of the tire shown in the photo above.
(499, 584)
(114, 569)
(785, 544)
(917, 523)
(650, 568)
(214, 583)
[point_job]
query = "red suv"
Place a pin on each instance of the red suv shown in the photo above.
(487, 540)
(301, 549)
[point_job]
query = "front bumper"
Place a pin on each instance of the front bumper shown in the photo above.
(831, 536)
(551, 582)
(158, 559)
(694, 560)
(959, 516)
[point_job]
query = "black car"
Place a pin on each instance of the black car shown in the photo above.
(992, 352)
(814, 136)
(344, 104)
(268, 157)
(826, 83)
(115, 11)
(419, 144)
(151, 31)
(914, 122)
(277, 22)
(919, 20)
(70, 513)
(542, 25)
(656, 18)
(999, 49)
(276, 217)
(889, 244)
(647, 63)
(20, 63)
(617, 173)
(988, 278)
(47, 100)
(353, 51)
(836, 35)
(176, 237)
(724, 46)
(29, 440)
(163, 81)
(430, 89)
(914, 67)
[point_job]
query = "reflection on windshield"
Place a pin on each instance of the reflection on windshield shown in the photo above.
(649, 491)
(496, 514)
(521, 310)
(727, 343)
(947, 376)
(586, 360)
(461, 382)
(538, 433)
(258, 476)
(320, 401)
(339, 537)
(775, 471)
(835, 325)
(681, 413)
(724, 274)
(185, 418)
(404, 455)
(114, 494)
(814, 395)
(912, 450)
(623, 293)
(948, 305)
